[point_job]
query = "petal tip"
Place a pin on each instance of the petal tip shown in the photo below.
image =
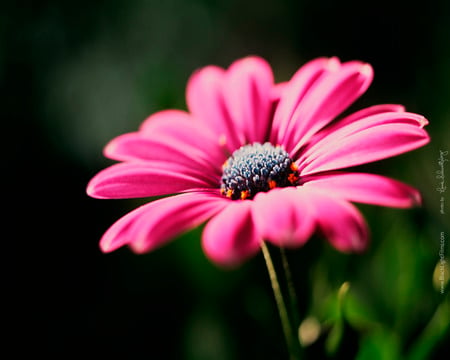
(366, 70)
(90, 190)
(333, 64)
(360, 245)
(105, 244)
(104, 247)
(139, 247)
(422, 121)
(416, 199)
(109, 149)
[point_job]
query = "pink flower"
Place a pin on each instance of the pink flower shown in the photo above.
(259, 161)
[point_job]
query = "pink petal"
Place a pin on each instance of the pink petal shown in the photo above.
(359, 115)
(339, 221)
(278, 91)
(171, 136)
(166, 148)
(247, 94)
(180, 127)
(230, 237)
(164, 117)
(365, 188)
(283, 217)
(172, 216)
(338, 150)
(352, 125)
(136, 146)
(327, 98)
(118, 234)
(293, 93)
(204, 97)
(388, 109)
(130, 180)
(155, 223)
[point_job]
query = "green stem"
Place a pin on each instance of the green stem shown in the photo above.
(291, 288)
(287, 329)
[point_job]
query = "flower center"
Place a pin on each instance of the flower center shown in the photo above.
(254, 168)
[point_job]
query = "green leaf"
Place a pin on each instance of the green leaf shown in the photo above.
(433, 333)
(358, 314)
(379, 344)
(335, 336)
(337, 328)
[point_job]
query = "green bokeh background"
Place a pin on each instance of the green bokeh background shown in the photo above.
(74, 74)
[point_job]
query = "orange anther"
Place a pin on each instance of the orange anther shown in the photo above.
(292, 178)
(245, 194)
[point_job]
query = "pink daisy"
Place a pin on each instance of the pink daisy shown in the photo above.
(259, 161)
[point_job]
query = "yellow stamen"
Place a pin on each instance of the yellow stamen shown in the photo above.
(245, 194)
(294, 167)
(230, 193)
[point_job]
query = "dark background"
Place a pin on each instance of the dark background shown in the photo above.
(74, 74)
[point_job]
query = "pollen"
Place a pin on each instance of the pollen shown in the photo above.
(272, 184)
(293, 178)
(255, 168)
(245, 194)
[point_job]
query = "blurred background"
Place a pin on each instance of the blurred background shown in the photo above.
(74, 74)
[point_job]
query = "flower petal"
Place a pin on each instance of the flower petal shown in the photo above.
(164, 117)
(294, 91)
(283, 217)
(327, 98)
(278, 91)
(230, 237)
(165, 148)
(359, 115)
(170, 136)
(142, 179)
(204, 97)
(365, 188)
(155, 223)
(118, 234)
(387, 109)
(339, 221)
(354, 124)
(169, 217)
(355, 147)
(179, 126)
(247, 94)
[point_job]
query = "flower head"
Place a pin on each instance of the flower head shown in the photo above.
(259, 161)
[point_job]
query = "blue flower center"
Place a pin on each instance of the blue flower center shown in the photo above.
(257, 167)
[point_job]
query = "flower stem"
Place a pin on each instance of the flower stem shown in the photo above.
(287, 329)
(291, 288)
